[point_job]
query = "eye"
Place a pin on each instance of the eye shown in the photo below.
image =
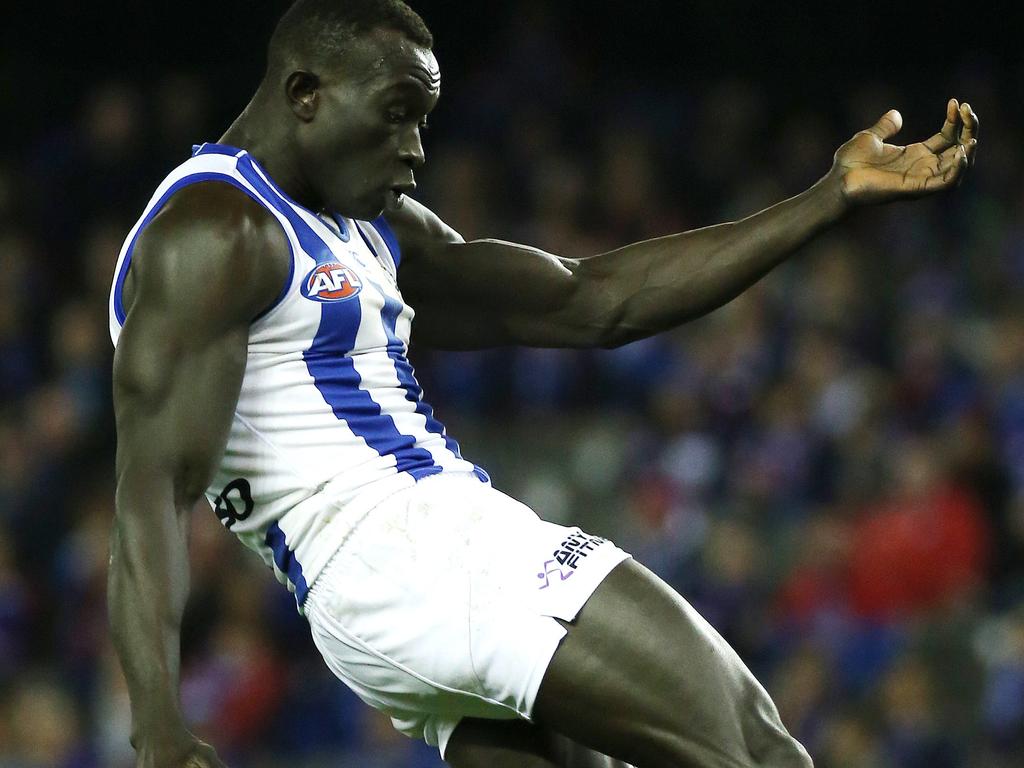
(423, 125)
(396, 115)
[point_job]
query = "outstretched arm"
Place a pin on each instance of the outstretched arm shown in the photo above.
(198, 277)
(487, 293)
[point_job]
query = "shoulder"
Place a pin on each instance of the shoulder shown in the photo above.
(419, 230)
(212, 243)
(209, 223)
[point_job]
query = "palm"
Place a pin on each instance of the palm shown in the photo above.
(873, 171)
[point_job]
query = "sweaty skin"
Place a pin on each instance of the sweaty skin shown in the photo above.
(208, 263)
(488, 292)
(347, 138)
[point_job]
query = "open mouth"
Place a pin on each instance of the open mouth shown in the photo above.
(396, 199)
(396, 195)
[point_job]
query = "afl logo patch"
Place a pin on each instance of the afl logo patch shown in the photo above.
(331, 282)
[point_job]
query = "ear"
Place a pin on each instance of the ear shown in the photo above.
(302, 90)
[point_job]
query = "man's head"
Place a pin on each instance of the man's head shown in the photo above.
(357, 79)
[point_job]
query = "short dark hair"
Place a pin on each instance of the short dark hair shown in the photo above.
(321, 29)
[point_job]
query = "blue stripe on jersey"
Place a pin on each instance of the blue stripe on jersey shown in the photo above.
(209, 148)
(311, 242)
(335, 375)
(366, 240)
(342, 227)
(328, 360)
(262, 181)
(407, 376)
(388, 236)
(194, 178)
(285, 561)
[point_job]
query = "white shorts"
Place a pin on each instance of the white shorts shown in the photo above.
(440, 604)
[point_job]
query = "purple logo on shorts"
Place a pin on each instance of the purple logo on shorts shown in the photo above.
(575, 546)
(548, 570)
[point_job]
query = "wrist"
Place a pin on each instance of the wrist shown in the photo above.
(831, 195)
(163, 735)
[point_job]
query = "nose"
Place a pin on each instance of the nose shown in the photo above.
(411, 148)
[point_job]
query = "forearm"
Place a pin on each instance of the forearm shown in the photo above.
(147, 590)
(489, 293)
(525, 296)
(654, 285)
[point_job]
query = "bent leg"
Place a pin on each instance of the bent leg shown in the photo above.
(480, 743)
(642, 676)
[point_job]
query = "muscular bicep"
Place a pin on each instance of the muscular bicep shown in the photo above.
(200, 274)
(483, 293)
(200, 271)
(174, 398)
(490, 292)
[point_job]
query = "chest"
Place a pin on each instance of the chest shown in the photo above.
(344, 297)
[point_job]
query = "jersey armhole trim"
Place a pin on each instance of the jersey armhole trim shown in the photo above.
(213, 148)
(388, 236)
(288, 280)
(119, 311)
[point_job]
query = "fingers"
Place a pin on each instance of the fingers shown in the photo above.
(970, 121)
(948, 170)
(970, 149)
(960, 130)
(952, 110)
(946, 137)
(888, 125)
(969, 134)
(955, 155)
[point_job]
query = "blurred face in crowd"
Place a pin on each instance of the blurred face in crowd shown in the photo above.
(359, 133)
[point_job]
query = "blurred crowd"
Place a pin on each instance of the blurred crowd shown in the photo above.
(831, 468)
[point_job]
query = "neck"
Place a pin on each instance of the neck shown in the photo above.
(263, 137)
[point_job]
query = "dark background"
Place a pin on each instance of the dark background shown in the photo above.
(803, 52)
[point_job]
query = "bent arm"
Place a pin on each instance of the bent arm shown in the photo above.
(178, 367)
(488, 293)
(513, 294)
(649, 287)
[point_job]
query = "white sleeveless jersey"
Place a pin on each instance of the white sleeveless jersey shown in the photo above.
(330, 419)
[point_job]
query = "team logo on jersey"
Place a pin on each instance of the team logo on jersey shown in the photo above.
(332, 281)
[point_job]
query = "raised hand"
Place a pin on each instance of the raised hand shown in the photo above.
(871, 171)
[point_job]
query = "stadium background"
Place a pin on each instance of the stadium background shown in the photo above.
(831, 468)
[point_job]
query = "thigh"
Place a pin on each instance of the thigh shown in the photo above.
(479, 743)
(642, 676)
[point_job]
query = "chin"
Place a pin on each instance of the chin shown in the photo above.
(363, 210)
